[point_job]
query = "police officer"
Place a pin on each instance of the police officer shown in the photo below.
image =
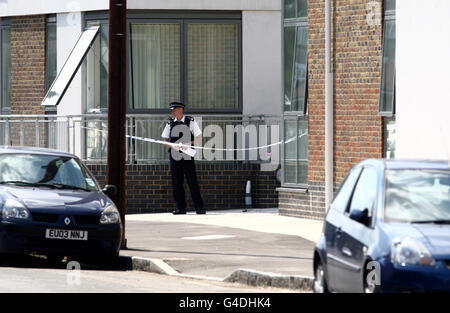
(181, 129)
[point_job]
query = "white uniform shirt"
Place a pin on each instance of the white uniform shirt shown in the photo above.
(193, 126)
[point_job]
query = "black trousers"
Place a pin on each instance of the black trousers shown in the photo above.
(179, 169)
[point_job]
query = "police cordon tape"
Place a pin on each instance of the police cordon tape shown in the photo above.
(179, 145)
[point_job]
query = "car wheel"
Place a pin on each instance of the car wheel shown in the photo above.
(320, 282)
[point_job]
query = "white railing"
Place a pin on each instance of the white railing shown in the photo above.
(86, 135)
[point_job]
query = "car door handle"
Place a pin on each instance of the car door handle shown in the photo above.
(347, 251)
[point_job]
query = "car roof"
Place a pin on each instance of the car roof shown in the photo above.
(396, 164)
(33, 150)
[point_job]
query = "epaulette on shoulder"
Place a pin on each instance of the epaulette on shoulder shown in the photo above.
(190, 117)
(171, 120)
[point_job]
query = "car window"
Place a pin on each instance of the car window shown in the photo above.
(46, 169)
(414, 196)
(340, 202)
(69, 173)
(365, 191)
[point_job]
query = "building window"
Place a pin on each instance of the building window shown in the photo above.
(295, 8)
(295, 150)
(155, 65)
(193, 58)
(196, 62)
(50, 53)
(96, 63)
(389, 5)
(97, 70)
(5, 66)
(296, 57)
(295, 161)
(212, 66)
(389, 137)
(179, 56)
(387, 88)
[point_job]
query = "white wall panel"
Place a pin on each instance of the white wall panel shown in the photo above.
(423, 79)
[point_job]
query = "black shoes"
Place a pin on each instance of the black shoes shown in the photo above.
(201, 211)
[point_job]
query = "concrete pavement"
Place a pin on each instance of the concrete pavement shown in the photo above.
(258, 247)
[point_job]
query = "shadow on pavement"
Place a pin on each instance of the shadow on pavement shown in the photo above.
(44, 262)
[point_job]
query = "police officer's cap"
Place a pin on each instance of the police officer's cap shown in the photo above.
(174, 105)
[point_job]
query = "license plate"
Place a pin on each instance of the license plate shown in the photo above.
(66, 234)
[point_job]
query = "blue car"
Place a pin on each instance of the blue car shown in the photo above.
(50, 204)
(387, 230)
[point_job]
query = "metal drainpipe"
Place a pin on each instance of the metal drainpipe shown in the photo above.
(329, 105)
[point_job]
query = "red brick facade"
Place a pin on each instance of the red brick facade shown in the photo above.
(357, 59)
(222, 185)
(356, 56)
(27, 75)
(27, 64)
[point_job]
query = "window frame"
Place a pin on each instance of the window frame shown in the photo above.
(297, 115)
(4, 24)
(183, 18)
(389, 15)
(184, 56)
(297, 184)
(387, 116)
(296, 22)
(183, 21)
(296, 7)
(100, 20)
(51, 21)
(386, 121)
(130, 21)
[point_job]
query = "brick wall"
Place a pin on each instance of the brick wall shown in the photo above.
(149, 187)
(27, 64)
(300, 203)
(27, 73)
(358, 53)
(358, 130)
